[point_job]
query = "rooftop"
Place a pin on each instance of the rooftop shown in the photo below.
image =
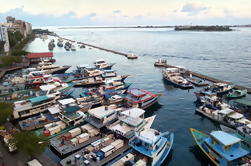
(39, 55)
(100, 112)
(224, 138)
(134, 112)
(66, 101)
(149, 136)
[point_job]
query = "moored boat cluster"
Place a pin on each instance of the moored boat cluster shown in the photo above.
(90, 115)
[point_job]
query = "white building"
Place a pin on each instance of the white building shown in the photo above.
(4, 37)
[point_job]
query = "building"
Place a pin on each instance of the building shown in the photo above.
(4, 37)
(38, 57)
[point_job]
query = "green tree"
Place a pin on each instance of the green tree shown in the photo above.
(29, 143)
(2, 46)
(5, 111)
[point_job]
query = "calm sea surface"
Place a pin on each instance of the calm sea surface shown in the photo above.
(224, 55)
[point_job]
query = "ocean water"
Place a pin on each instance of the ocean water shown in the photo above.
(224, 55)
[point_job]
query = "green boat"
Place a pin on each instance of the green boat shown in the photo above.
(233, 94)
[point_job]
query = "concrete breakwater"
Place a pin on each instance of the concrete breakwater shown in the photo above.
(211, 79)
(101, 48)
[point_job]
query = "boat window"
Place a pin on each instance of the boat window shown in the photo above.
(227, 147)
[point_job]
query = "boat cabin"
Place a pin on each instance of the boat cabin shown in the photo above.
(72, 118)
(102, 116)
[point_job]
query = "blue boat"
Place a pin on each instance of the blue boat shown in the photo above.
(151, 147)
(222, 148)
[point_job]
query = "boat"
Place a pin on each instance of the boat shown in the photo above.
(89, 81)
(150, 147)
(109, 73)
(102, 116)
(68, 121)
(174, 77)
(98, 153)
(131, 56)
(53, 69)
(67, 48)
(73, 48)
(60, 44)
(35, 105)
(160, 63)
(140, 98)
(75, 139)
(103, 65)
(131, 121)
(234, 94)
(222, 148)
(82, 46)
(197, 82)
(37, 121)
(218, 89)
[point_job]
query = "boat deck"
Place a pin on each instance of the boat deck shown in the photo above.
(68, 147)
(80, 162)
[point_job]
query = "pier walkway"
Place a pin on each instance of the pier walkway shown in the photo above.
(211, 79)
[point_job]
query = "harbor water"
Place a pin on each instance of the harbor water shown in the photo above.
(223, 55)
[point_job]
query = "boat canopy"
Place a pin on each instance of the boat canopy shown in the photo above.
(224, 138)
(226, 111)
(54, 110)
(83, 66)
(244, 102)
(133, 121)
(134, 112)
(244, 121)
(47, 87)
(101, 112)
(66, 101)
(38, 99)
(149, 136)
(235, 115)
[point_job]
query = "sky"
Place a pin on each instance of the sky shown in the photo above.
(127, 12)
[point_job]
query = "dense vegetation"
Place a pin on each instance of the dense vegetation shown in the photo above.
(5, 112)
(6, 61)
(203, 28)
(29, 143)
(43, 31)
(17, 43)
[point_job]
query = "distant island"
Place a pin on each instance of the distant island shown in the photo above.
(203, 28)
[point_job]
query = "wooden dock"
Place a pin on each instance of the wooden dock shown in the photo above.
(211, 79)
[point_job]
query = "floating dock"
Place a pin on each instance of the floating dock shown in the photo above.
(211, 79)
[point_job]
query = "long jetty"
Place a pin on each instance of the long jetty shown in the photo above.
(101, 48)
(211, 79)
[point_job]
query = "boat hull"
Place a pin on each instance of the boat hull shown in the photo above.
(177, 85)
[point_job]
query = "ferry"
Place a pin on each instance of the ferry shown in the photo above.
(174, 77)
(35, 105)
(103, 65)
(221, 148)
(140, 98)
(150, 147)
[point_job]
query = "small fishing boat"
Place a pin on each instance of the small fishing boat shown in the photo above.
(233, 94)
(160, 63)
(174, 77)
(109, 73)
(91, 81)
(53, 69)
(197, 82)
(221, 148)
(140, 98)
(150, 147)
(102, 64)
(131, 56)
(73, 48)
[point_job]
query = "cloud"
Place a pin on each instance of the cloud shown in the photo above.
(116, 11)
(193, 8)
(92, 15)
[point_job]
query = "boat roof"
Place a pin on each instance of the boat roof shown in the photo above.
(133, 112)
(132, 121)
(83, 66)
(235, 115)
(122, 129)
(54, 110)
(244, 102)
(249, 125)
(226, 111)
(38, 99)
(225, 138)
(66, 101)
(47, 87)
(244, 121)
(34, 162)
(99, 60)
(137, 92)
(149, 136)
(100, 112)
(173, 69)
